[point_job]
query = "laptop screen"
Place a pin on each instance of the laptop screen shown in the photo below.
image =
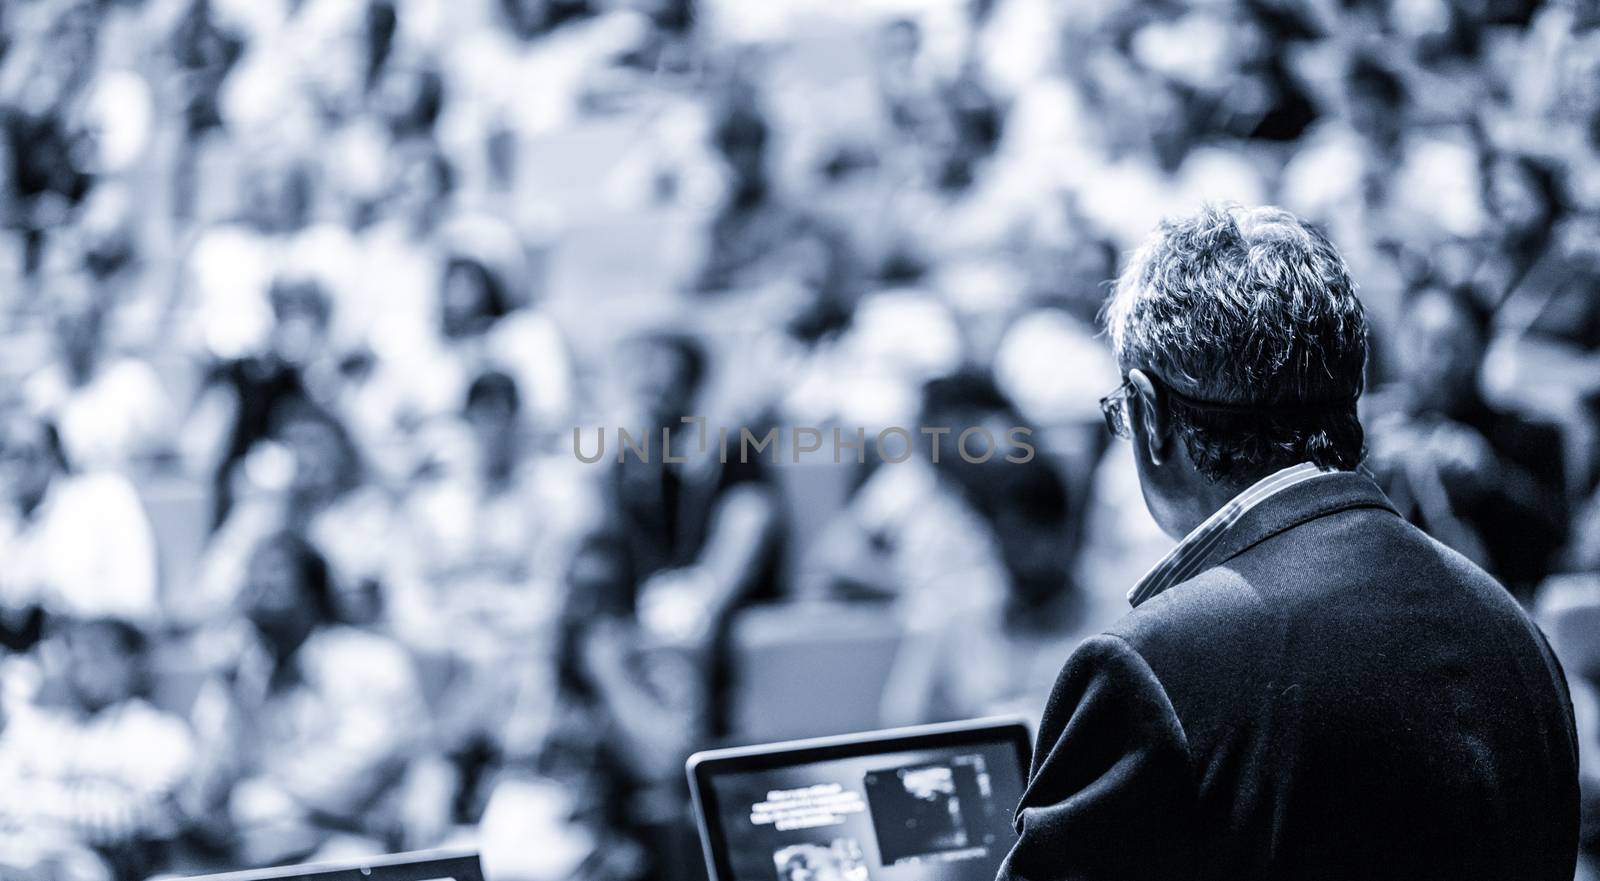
(430, 865)
(938, 807)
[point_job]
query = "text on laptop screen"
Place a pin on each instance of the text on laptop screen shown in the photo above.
(927, 815)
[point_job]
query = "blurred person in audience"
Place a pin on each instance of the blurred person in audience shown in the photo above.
(107, 250)
(702, 535)
(75, 542)
(261, 383)
(1525, 200)
(1051, 353)
(484, 318)
(1004, 656)
(1157, 158)
(540, 67)
(403, 243)
(306, 476)
(314, 732)
(632, 708)
(481, 320)
(229, 270)
(1049, 361)
(954, 204)
(490, 528)
(387, 312)
(1456, 145)
(480, 578)
(409, 96)
(870, 372)
(1546, 354)
(1385, 186)
(1551, 91)
(907, 84)
(109, 407)
(94, 773)
(42, 123)
(1486, 482)
(372, 93)
(202, 53)
(919, 531)
(758, 236)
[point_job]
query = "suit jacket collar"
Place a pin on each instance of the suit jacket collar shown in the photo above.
(1294, 506)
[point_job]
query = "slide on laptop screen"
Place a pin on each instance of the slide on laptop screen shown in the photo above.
(918, 804)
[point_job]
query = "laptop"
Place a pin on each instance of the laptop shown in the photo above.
(429, 865)
(929, 803)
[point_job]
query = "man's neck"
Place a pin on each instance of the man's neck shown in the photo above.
(1208, 497)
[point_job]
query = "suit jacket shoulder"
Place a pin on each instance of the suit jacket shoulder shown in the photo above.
(1335, 695)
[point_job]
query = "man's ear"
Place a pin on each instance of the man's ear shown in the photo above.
(1152, 417)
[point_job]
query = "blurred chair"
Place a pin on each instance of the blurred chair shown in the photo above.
(176, 677)
(1568, 607)
(812, 494)
(810, 668)
(179, 508)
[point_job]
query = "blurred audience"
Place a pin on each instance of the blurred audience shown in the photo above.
(310, 726)
(94, 772)
(995, 653)
(110, 409)
(702, 534)
(76, 543)
(1485, 482)
(306, 476)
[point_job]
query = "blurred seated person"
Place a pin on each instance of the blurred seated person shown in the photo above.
(906, 81)
(74, 543)
(1004, 656)
(488, 529)
(479, 579)
(977, 553)
(93, 773)
(1524, 198)
(109, 408)
(1485, 482)
(921, 530)
(702, 535)
(203, 51)
(1053, 353)
(954, 205)
(46, 179)
(1546, 352)
(483, 324)
(251, 387)
(871, 373)
(224, 310)
(306, 476)
(313, 731)
(631, 708)
(757, 238)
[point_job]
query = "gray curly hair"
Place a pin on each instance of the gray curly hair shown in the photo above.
(1251, 308)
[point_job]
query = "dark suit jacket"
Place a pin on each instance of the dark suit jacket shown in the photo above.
(1336, 696)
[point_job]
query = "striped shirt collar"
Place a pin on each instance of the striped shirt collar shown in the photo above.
(1186, 560)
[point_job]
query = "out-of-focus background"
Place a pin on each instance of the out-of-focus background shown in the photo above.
(301, 301)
